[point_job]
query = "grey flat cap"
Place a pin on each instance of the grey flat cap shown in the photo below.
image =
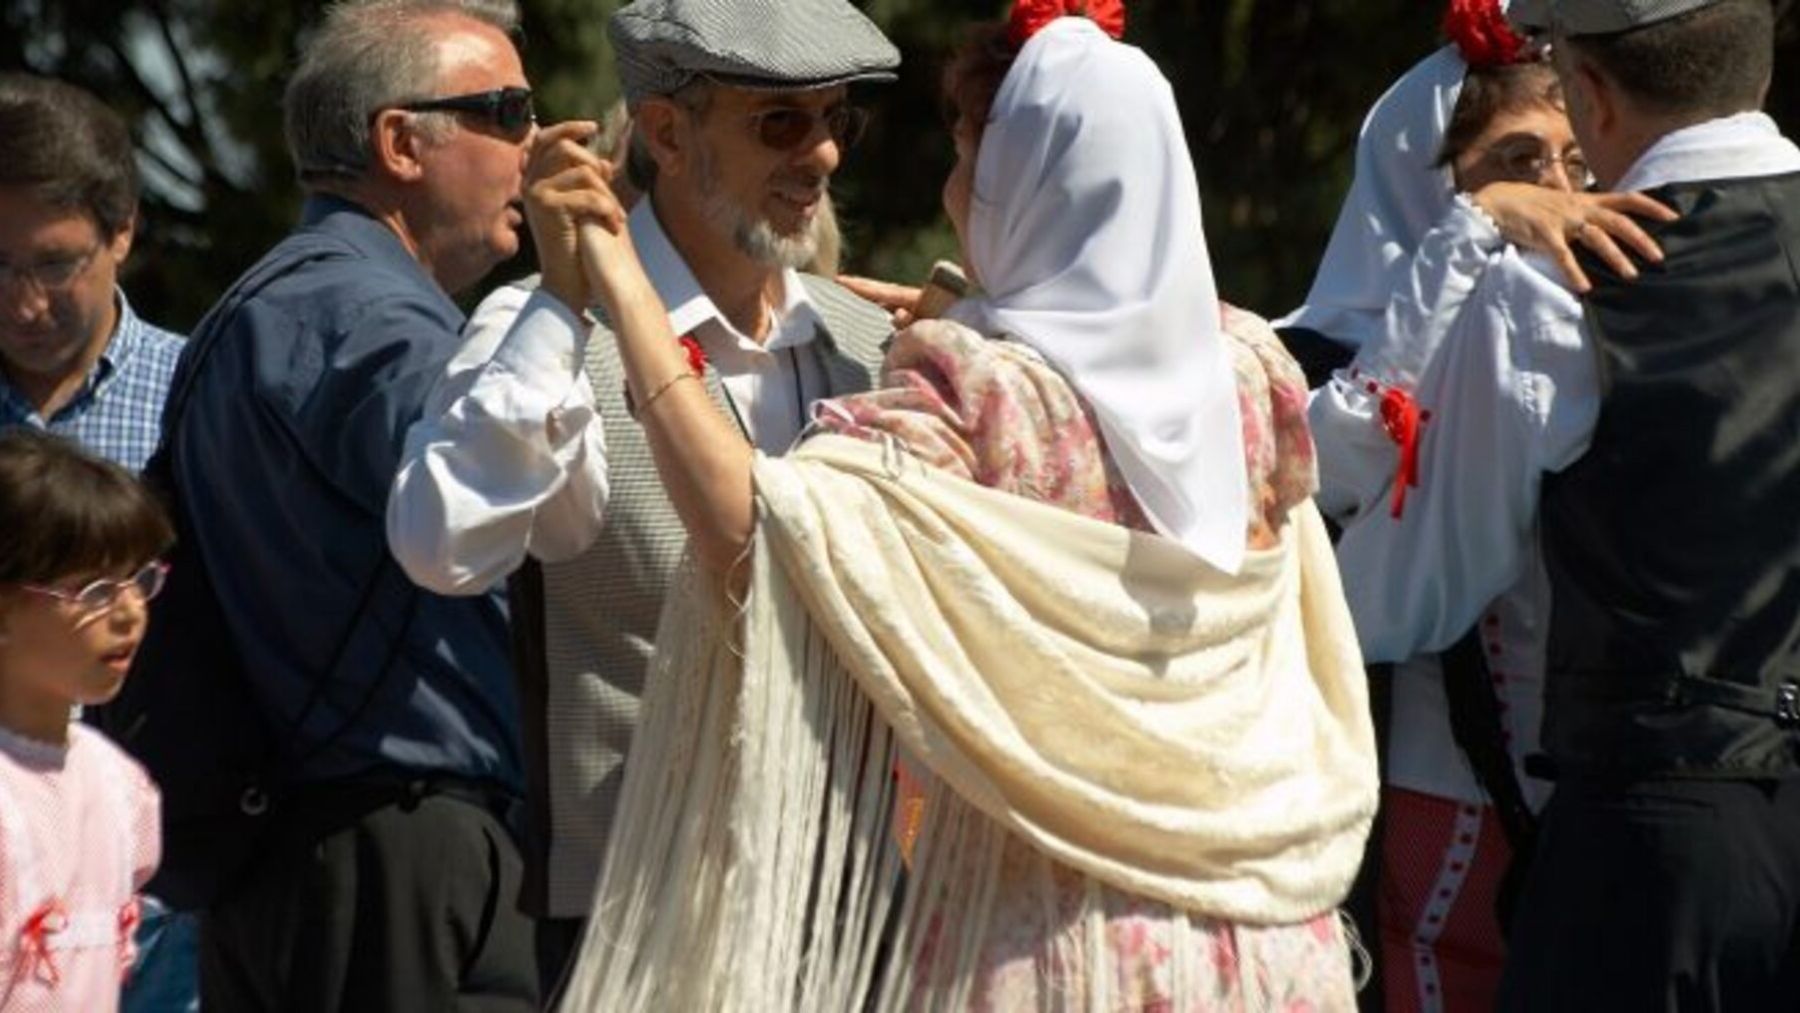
(782, 44)
(1597, 17)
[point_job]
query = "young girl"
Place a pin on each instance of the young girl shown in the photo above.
(79, 827)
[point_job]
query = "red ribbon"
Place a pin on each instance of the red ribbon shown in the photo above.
(1403, 420)
(1031, 16)
(35, 940)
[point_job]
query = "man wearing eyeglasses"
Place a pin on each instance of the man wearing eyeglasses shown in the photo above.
(742, 114)
(360, 853)
(1645, 436)
(74, 358)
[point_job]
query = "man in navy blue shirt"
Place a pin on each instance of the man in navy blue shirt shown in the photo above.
(388, 874)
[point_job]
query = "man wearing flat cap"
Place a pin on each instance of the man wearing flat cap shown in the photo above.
(1646, 434)
(741, 116)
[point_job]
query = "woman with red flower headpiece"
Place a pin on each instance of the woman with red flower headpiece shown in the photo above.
(1468, 158)
(1031, 685)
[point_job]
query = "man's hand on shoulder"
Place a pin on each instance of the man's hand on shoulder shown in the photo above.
(1552, 221)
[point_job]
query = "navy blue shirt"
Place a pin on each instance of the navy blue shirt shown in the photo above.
(283, 461)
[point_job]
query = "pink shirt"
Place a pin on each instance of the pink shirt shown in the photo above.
(80, 833)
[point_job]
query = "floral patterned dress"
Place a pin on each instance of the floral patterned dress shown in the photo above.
(994, 412)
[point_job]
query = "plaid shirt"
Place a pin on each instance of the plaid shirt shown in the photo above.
(118, 411)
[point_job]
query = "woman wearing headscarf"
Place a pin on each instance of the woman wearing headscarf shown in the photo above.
(1063, 572)
(1469, 150)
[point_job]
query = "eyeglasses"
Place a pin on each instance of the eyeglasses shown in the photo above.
(508, 109)
(52, 275)
(103, 594)
(1528, 162)
(786, 128)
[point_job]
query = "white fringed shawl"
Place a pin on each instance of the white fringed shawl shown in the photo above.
(1143, 719)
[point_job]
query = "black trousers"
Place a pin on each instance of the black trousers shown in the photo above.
(557, 941)
(363, 902)
(1661, 895)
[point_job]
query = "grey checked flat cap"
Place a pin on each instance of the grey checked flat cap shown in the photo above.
(783, 44)
(1597, 17)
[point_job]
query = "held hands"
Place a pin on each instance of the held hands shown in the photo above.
(1549, 220)
(567, 193)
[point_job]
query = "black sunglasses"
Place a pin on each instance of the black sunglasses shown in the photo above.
(508, 109)
(786, 128)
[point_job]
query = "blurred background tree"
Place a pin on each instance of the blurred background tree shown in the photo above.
(1272, 91)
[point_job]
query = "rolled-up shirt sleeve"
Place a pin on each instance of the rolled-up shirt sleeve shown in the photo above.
(509, 458)
(1514, 393)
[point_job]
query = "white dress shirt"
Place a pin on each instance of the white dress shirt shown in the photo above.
(1511, 378)
(509, 456)
(770, 386)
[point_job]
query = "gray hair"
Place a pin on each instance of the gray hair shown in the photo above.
(369, 55)
(696, 96)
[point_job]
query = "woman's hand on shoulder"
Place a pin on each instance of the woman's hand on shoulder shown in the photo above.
(899, 300)
(1552, 221)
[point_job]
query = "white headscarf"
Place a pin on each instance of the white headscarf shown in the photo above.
(1085, 233)
(1398, 195)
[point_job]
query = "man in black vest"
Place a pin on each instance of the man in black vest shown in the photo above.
(1671, 849)
(1649, 435)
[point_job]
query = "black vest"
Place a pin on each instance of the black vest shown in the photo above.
(1674, 543)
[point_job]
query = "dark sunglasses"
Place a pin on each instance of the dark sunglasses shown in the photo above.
(787, 128)
(508, 109)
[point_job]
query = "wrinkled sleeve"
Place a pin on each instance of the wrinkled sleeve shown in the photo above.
(1514, 393)
(509, 457)
(1357, 459)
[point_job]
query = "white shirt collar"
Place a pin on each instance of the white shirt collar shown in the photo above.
(1733, 147)
(690, 307)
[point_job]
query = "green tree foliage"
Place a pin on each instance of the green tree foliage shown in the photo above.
(1272, 91)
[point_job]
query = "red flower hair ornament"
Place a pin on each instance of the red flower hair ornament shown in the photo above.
(1031, 16)
(1482, 34)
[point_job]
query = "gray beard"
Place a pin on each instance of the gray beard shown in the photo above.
(753, 237)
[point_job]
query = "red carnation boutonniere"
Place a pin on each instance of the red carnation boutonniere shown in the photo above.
(696, 356)
(696, 360)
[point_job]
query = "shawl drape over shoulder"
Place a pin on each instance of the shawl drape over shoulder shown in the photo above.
(1123, 708)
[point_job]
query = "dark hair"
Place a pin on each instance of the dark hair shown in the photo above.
(66, 512)
(1489, 91)
(974, 75)
(69, 148)
(1712, 61)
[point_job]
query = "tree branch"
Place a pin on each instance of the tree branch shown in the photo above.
(182, 174)
(189, 134)
(189, 94)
